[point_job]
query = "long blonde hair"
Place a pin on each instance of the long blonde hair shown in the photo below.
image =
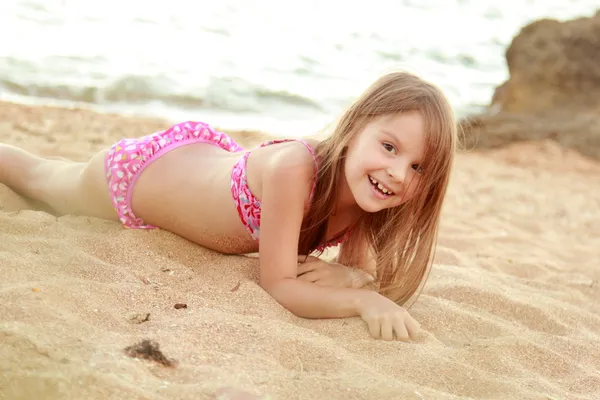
(402, 239)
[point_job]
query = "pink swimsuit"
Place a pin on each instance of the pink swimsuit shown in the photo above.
(127, 158)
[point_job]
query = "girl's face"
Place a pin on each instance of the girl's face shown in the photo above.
(383, 161)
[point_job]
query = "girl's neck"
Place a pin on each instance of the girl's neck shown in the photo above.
(345, 207)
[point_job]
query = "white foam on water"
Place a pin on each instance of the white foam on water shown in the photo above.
(284, 66)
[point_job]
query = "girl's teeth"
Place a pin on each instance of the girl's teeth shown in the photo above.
(379, 186)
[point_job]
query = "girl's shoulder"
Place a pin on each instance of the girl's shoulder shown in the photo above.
(296, 154)
(285, 165)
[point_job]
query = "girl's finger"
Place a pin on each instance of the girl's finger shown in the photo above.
(400, 330)
(303, 258)
(311, 276)
(359, 278)
(413, 328)
(374, 328)
(307, 267)
(387, 330)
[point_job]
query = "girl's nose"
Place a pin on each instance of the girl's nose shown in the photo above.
(398, 171)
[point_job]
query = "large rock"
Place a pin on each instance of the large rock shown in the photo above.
(579, 132)
(553, 91)
(554, 68)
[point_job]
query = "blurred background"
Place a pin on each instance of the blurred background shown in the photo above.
(285, 66)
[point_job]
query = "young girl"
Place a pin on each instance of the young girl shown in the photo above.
(375, 187)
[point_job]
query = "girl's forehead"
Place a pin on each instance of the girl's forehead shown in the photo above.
(406, 130)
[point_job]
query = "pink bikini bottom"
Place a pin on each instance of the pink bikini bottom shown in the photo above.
(127, 159)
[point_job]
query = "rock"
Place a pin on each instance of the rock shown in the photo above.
(554, 68)
(581, 133)
(553, 92)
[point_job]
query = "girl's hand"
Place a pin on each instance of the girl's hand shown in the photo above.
(386, 319)
(331, 274)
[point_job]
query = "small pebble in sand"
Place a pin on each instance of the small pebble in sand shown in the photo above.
(180, 305)
(139, 318)
(149, 350)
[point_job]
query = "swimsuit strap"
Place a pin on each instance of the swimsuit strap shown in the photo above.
(248, 206)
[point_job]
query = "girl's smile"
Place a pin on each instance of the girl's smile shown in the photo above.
(383, 161)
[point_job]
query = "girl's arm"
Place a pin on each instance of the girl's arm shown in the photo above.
(355, 265)
(332, 274)
(286, 185)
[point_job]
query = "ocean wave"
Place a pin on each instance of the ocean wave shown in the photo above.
(222, 93)
(236, 62)
(236, 94)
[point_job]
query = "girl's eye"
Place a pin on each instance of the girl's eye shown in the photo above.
(389, 147)
(417, 168)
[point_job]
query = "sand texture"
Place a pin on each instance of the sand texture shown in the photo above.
(511, 307)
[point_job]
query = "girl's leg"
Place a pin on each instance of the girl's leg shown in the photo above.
(67, 187)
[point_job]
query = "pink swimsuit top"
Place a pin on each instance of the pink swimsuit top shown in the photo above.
(249, 207)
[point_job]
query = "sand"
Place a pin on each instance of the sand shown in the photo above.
(511, 307)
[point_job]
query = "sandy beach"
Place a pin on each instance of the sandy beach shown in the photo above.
(511, 308)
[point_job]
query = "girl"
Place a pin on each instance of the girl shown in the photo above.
(375, 187)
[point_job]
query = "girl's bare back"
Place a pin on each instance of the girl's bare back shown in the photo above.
(186, 189)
